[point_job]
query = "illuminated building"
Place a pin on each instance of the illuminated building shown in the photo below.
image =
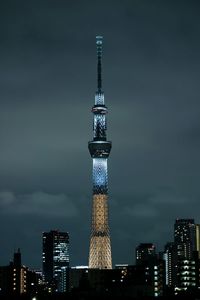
(197, 227)
(184, 238)
(19, 272)
(170, 258)
(188, 275)
(100, 246)
(180, 254)
(56, 260)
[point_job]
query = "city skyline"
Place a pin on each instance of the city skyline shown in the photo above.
(151, 81)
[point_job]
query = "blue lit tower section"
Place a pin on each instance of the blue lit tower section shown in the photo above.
(100, 247)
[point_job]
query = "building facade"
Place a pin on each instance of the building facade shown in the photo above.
(151, 268)
(171, 265)
(185, 238)
(197, 231)
(99, 147)
(56, 260)
(16, 279)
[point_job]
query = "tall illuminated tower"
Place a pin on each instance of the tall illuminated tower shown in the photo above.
(100, 247)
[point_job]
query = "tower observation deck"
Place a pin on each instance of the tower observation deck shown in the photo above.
(99, 147)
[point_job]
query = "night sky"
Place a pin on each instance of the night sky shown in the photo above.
(151, 75)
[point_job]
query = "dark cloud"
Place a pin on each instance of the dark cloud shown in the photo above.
(47, 81)
(38, 203)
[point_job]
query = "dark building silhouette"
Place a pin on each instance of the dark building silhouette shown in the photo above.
(143, 280)
(56, 260)
(17, 260)
(145, 252)
(16, 279)
(78, 277)
(152, 267)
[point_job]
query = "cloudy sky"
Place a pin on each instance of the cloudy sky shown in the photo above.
(151, 63)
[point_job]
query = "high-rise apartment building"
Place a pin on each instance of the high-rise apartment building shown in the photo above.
(185, 237)
(56, 259)
(99, 147)
(187, 275)
(197, 233)
(170, 259)
(151, 268)
(181, 253)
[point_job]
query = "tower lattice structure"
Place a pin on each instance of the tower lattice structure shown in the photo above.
(100, 246)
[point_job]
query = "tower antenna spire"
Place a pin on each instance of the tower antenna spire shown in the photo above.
(99, 42)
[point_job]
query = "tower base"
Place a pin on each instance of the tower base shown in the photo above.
(100, 246)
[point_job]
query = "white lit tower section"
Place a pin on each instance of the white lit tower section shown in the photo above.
(100, 246)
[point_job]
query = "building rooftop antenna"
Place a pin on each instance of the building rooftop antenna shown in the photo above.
(99, 42)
